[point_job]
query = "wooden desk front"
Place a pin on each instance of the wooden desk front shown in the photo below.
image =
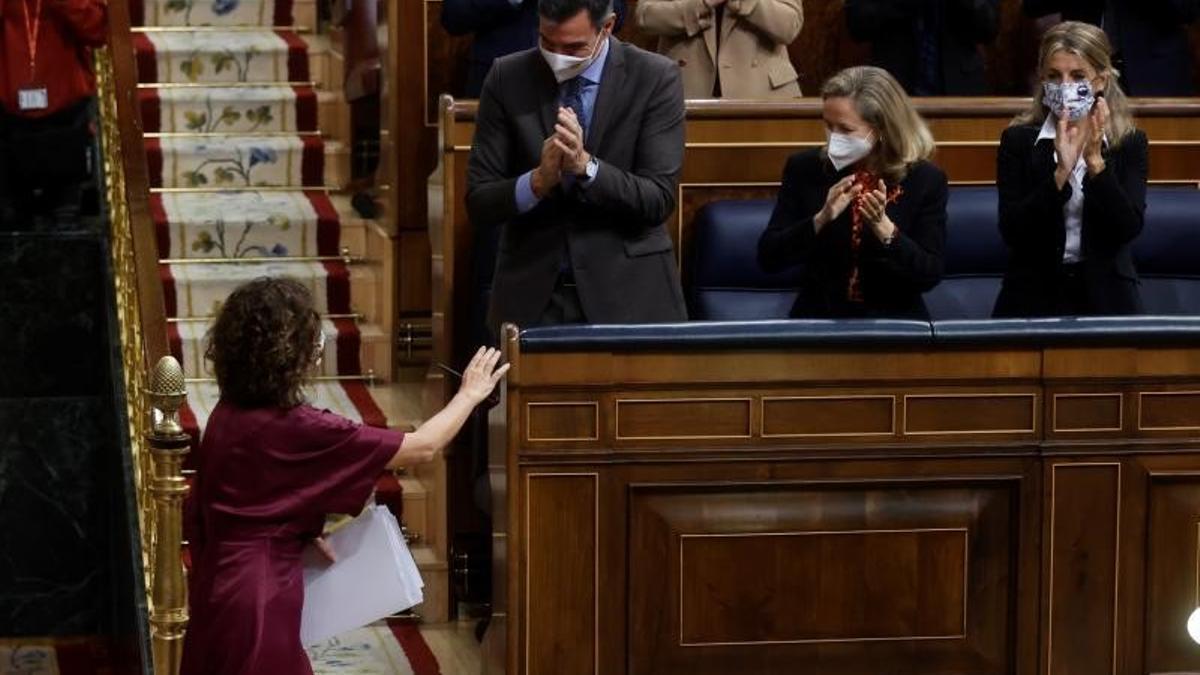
(847, 510)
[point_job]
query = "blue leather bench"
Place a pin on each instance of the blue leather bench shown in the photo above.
(725, 282)
(1167, 254)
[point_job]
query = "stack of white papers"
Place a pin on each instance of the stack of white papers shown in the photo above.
(374, 576)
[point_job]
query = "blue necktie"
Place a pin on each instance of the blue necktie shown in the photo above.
(572, 97)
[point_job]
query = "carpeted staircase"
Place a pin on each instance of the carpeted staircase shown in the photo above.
(247, 144)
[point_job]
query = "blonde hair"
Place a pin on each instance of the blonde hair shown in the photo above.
(1090, 44)
(903, 138)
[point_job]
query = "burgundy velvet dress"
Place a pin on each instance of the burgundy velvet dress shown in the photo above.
(265, 480)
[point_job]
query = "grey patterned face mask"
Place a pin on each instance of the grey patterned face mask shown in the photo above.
(1069, 100)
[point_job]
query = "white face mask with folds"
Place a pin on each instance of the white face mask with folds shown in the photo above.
(566, 67)
(844, 149)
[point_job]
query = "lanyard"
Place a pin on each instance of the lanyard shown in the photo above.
(32, 29)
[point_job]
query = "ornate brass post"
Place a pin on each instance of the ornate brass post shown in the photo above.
(168, 445)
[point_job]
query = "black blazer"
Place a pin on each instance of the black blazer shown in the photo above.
(890, 27)
(891, 278)
(1032, 224)
(1150, 39)
(621, 255)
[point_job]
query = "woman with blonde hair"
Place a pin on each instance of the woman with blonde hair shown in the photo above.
(866, 213)
(1071, 173)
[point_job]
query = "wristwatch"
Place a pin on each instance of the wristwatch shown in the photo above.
(590, 170)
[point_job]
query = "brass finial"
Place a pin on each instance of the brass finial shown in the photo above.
(166, 395)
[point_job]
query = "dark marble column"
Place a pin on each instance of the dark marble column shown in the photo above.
(69, 561)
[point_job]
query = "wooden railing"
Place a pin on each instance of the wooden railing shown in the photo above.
(142, 332)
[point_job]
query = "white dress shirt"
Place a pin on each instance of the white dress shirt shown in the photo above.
(1073, 209)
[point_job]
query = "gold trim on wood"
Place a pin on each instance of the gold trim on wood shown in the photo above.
(221, 85)
(617, 418)
(595, 476)
(974, 432)
(1054, 411)
(218, 29)
(1116, 559)
(253, 188)
(230, 134)
(528, 420)
(762, 415)
(1142, 407)
(248, 260)
(966, 585)
(356, 318)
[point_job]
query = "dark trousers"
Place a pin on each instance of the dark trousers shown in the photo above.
(1072, 292)
(564, 306)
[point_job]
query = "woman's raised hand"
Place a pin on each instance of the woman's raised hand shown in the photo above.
(836, 200)
(482, 375)
(1069, 142)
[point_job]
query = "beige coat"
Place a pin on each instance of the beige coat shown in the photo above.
(754, 61)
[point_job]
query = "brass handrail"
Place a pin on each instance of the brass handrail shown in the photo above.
(156, 449)
(128, 306)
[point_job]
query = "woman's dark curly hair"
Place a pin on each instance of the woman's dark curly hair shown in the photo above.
(263, 344)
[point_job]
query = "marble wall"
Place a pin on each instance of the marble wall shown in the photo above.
(69, 565)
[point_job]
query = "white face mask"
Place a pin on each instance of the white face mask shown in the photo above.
(844, 149)
(566, 67)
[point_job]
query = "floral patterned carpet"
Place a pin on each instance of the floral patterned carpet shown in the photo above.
(241, 181)
(378, 649)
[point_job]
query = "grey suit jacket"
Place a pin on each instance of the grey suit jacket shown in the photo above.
(620, 252)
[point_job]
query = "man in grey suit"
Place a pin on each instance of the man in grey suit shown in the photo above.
(576, 157)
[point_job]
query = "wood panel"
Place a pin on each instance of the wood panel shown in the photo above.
(680, 418)
(844, 552)
(842, 578)
(415, 272)
(562, 421)
(562, 566)
(1172, 583)
(797, 592)
(970, 413)
(1077, 412)
(826, 416)
(1169, 411)
(1083, 568)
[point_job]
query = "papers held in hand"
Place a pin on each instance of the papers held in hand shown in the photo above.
(374, 576)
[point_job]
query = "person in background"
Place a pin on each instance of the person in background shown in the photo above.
(1150, 39)
(46, 91)
(728, 48)
(932, 47)
(500, 27)
(866, 213)
(576, 158)
(269, 469)
(1071, 173)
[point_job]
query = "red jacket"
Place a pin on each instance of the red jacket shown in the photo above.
(68, 32)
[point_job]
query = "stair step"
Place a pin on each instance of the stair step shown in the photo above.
(236, 161)
(235, 110)
(352, 400)
(239, 224)
(199, 290)
(224, 13)
(222, 57)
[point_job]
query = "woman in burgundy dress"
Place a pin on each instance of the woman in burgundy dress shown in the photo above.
(271, 467)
